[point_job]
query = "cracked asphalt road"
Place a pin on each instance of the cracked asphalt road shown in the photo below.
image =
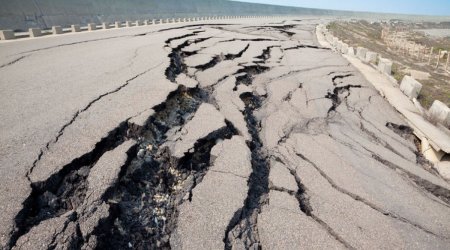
(240, 135)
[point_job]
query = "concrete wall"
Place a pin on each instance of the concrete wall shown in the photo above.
(20, 15)
(23, 14)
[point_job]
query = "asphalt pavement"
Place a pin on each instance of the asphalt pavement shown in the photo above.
(222, 134)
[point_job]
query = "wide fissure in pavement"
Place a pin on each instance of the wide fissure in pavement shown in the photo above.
(65, 190)
(243, 226)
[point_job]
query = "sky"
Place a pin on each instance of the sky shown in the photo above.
(421, 7)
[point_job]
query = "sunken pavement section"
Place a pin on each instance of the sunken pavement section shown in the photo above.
(206, 136)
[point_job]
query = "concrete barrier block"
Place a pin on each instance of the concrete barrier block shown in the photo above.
(371, 57)
(410, 87)
(128, 24)
(75, 28)
(329, 38)
(137, 23)
(153, 21)
(160, 21)
(385, 66)
(146, 22)
(351, 51)
(92, 26)
(56, 30)
(361, 53)
(440, 112)
(35, 32)
(344, 48)
(117, 25)
(7, 35)
(335, 41)
(339, 46)
(105, 26)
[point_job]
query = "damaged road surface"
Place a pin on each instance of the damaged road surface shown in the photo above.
(233, 135)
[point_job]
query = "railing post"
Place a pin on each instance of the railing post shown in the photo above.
(35, 32)
(7, 35)
(56, 30)
(75, 28)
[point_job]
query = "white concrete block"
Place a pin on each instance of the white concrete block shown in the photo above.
(75, 28)
(56, 30)
(361, 53)
(329, 38)
(105, 26)
(344, 48)
(440, 112)
(351, 51)
(146, 22)
(160, 21)
(128, 24)
(410, 87)
(7, 35)
(137, 23)
(371, 57)
(117, 25)
(339, 46)
(92, 26)
(385, 66)
(335, 41)
(35, 32)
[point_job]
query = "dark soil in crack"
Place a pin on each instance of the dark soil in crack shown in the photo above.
(338, 95)
(404, 131)
(266, 53)
(65, 190)
(245, 75)
(407, 133)
(144, 203)
(218, 58)
(239, 54)
(339, 77)
(213, 62)
(303, 46)
(243, 226)
(177, 65)
(301, 194)
(250, 40)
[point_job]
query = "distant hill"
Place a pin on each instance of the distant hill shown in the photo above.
(23, 14)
